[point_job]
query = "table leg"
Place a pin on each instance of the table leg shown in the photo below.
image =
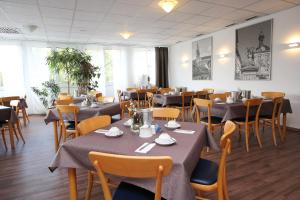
(24, 116)
(11, 135)
(284, 126)
(55, 135)
(72, 183)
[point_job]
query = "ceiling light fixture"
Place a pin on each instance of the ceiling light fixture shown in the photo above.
(126, 35)
(294, 44)
(167, 5)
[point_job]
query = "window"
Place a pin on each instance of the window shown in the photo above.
(111, 61)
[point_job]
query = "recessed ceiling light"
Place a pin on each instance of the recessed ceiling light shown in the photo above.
(293, 45)
(167, 5)
(126, 35)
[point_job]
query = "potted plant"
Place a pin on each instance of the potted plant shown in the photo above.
(47, 93)
(75, 64)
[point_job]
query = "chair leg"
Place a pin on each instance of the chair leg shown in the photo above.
(280, 131)
(89, 185)
(257, 133)
(24, 116)
(3, 138)
(240, 136)
(247, 129)
(20, 132)
(15, 132)
(274, 133)
(225, 189)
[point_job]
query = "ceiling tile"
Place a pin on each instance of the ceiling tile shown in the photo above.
(125, 9)
(32, 2)
(52, 29)
(91, 16)
(194, 7)
(57, 13)
(240, 15)
(293, 1)
(68, 4)
(121, 19)
(218, 23)
(217, 11)
(19, 9)
(232, 3)
(136, 2)
(94, 5)
(57, 21)
(83, 23)
(265, 5)
(177, 16)
(163, 24)
(197, 20)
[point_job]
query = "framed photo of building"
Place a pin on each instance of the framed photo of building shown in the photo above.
(253, 52)
(202, 59)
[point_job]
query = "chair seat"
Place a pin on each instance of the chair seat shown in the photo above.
(129, 191)
(214, 120)
(243, 119)
(205, 172)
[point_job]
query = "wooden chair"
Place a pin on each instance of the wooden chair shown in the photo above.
(150, 97)
(209, 90)
(164, 90)
(64, 96)
(67, 129)
(222, 96)
(166, 113)
(141, 95)
(272, 94)
(201, 94)
(84, 128)
(63, 101)
(249, 120)
(15, 105)
(186, 105)
(124, 105)
(210, 121)
(12, 129)
(2, 129)
(274, 119)
(132, 167)
(106, 99)
(131, 88)
(95, 93)
(208, 176)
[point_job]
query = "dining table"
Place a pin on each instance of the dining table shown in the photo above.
(8, 115)
(85, 112)
(169, 99)
(185, 154)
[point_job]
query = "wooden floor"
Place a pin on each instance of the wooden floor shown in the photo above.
(267, 173)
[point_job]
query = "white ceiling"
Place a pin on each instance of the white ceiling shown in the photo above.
(101, 21)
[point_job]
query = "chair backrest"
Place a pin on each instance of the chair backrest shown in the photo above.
(277, 107)
(250, 103)
(201, 94)
(222, 96)
(209, 90)
(150, 96)
(166, 113)
(65, 97)
(5, 101)
(132, 167)
(106, 99)
(63, 102)
(272, 94)
(207, 104)
(91, 124)
(187, 94)
(131, 88)
(164, 90)
(225, 144)
(66, 109)
(124, 105)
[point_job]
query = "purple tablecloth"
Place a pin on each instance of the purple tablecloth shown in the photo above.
(185, 154)
(237, 110)
(166, 100)
(86, 112)
(133, 95)
(8, 114)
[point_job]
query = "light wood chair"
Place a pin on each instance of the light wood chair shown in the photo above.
(273, 94)
(95, 93)
(106, 99)
(65, 97)
(201, 94)
(274, 119)
(124, 105)
(222, 96)
(63, 101)
(210, 121)
(186, 105)
(164, 90)
(15, 105)
(141, 95)
(166, 113)
(2, 129)
(250, 121)
(150, 97)
(209, 90)
(132, 167)
(208, 176)
(84, 128)
(131, 88)
(67, 130)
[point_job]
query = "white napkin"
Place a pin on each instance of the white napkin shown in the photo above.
(145, 148)
(184, 131)
(101, 131)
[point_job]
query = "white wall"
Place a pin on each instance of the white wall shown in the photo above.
(285, 62)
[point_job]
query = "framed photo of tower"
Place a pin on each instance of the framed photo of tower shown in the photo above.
(253, 52)
(202, 59)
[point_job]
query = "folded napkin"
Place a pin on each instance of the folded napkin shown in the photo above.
(145, 148)
(101, 131)
(184, 131)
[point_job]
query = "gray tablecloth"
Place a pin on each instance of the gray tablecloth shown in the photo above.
(77, 100)
(185, 154)
(86, 112)
(133, 95)
(8, 114)
(167, 100)
(237, 110)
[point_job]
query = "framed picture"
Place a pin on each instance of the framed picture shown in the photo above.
(253, 47)
(202, 59)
